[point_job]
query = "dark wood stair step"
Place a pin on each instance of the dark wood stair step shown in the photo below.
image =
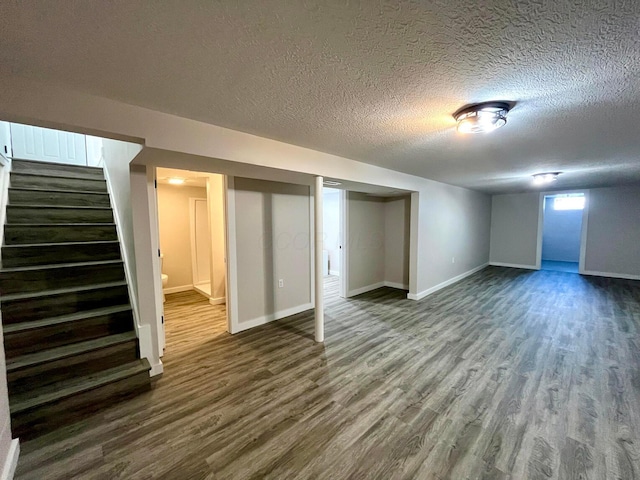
(38, 412)
(47, 277)
(37, 196)
(54, 253)
(30, 180)
(59, 233)
(24, 307)
(29, 337)
(43, 214)
(56, 169)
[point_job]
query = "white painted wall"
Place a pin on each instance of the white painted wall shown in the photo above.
(331, 227)
(5, 139)
(215, 186)
(272, 242)
(175, 232)
(397, 225)
(514, 229)
(9, 449)
(366, 256)
(613, 234)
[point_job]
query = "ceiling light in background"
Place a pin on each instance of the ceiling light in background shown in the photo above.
(176, 181)
(331, 183)
(482, 117)
(544, 178)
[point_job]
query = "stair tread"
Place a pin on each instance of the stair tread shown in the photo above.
(54, 190)
(59, 265)
(68, 388)
(61, 244)
(47, 293)
(50, 225)
(61, 207)
(66, 351)
(56, 164)
(50, 321)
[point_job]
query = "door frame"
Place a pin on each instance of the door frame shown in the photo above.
(583, 229)
(192, 235)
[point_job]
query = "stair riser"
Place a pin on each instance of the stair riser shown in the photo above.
(24, 310)
(35, 197)
(56, 169)
(38, 421)
(72, 367)
(31, 341)
(46, 215)
(78, 184)
(60, 277)
(17, 234)
(52, 254)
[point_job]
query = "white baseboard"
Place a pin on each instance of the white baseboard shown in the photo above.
(11, 461)
(400, 286)
(335, 273)
(361, 290)
(273, 317)
(440, 286)
(513, 265)
(181, 288)
(156, 369)
(218, 301)
(623, 276)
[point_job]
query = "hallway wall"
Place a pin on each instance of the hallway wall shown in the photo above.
(175, 232)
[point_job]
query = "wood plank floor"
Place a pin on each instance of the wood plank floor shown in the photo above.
(508, 374)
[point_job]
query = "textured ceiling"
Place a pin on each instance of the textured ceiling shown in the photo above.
(376, 81)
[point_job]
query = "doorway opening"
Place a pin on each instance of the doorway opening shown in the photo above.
(191, 230)
(332, 255)
(562, 231)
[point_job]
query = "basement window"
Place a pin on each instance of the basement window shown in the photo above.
(570, 201)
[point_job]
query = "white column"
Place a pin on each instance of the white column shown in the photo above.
(318, 254)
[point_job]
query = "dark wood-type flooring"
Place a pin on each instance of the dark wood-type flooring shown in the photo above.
(508, 374)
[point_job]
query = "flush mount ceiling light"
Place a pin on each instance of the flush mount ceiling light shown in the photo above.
(482, 117)
(331, 183)
(543, 178)
(176, 181)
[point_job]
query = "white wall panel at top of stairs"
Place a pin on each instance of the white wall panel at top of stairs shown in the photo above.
(45, 144)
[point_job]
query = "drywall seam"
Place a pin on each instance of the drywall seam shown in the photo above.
(442, 285)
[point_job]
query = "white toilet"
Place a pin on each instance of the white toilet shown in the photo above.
(165, 278)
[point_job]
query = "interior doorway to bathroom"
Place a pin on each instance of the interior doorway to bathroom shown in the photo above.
(191, 228)
(332, 255)
(562, 231)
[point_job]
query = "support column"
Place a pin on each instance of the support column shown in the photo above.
(318, 246)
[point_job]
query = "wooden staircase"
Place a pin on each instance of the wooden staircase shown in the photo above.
(69, 336)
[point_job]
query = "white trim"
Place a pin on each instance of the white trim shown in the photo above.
(623, 276)
(442, 285)
(181, 288)
(218, 301)
(583, 234)
(11, 462)
(397, 285)
(365, 289)
(414, 257)
(318, 251)
(192, 235)
(343, 205)
(334, 273)
(514, 265)
(273, 317)
(156, 369)
(232, 257)
(128, 271)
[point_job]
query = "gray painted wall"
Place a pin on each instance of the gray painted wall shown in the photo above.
(613, 240)
(561, 233)
(273, 231)
(366, 217)
(397, 227)
(514, 229)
